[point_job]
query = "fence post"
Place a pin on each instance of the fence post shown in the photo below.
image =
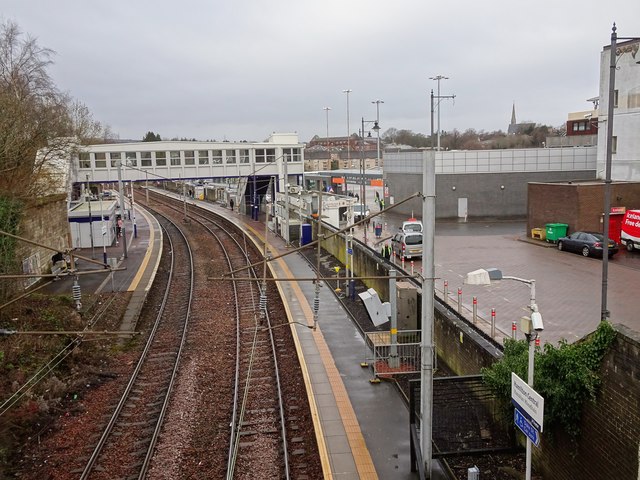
(475, 310)
(446, 292)
(493, 323)
(459, 300)
(514, 329)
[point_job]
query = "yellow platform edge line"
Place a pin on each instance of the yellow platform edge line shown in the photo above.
(147, 256)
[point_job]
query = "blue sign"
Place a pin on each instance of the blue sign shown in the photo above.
(525, 426)
(350, 251)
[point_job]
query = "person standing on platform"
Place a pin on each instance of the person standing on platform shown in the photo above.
(231, 203)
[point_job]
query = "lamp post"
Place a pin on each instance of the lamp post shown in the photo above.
(613, 54)
(121, 197)
(484, 277)
(378, 102)
(363, 190)
(439, 97)
(348, 91)
(326, 110)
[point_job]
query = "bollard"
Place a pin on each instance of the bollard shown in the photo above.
(411, 267)
(514, 329)
(402, 261)
(537, 341)
(475, 310)
(446, 292)
(493, 323)
(459, 300)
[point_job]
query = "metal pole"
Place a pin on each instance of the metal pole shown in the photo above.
(363, 190)
(348, 91)
(121, 196)
(604, 313)
(428, 275)
(88, 196)
(285, 160)
(326, 109)
(133, 214)
(146, 185)
(378, 102)
(432, 107)
(104, 234)
(531, 340)
(393, 352)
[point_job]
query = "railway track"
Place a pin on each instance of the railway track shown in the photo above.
(127, 443)
(265, 438)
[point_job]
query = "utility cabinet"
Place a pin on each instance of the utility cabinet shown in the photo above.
(407, 303)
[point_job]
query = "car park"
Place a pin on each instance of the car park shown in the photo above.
(407, 245)
(589, 244)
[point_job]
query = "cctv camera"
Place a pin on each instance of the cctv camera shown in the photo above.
(536, 321)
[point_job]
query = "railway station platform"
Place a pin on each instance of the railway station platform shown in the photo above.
(362, 428)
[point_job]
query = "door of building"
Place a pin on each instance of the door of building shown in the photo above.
(462, 208)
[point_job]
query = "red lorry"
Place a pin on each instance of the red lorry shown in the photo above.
(630, 230)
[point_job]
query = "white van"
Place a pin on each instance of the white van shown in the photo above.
(412, 225)
(630, 230)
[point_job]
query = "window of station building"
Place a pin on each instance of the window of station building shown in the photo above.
(145, 159)
(244, 156)
(174, 159)
(230, 155)
(292, 154)
(189, 157)
(614, 144)
(633, 98)
(265, 155)
(161, 159)
(100, 159)
(131, 159)
(615, 99)
(84, 160)
(114, 159)
(203, 157)
(216, 157)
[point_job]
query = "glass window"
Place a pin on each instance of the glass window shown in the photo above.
(161, 159)
(244, 156)
(132, 159)
(189, 157)
(265, 155)
(84, 160)
(292, 154)
(145, 159)
(203, 157)
(217, 157)
(231, 156)
(174, 158)
(114, 159)
(101, 159)
(615, 99)
(614, 144)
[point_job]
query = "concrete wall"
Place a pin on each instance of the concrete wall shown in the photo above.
(499, 195)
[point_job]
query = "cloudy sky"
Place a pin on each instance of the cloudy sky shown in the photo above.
(241, 69)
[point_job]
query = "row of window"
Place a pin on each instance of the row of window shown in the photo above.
(176, 158)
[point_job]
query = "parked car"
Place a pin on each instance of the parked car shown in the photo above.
(407, 245)
(586, 243)
(630, 230)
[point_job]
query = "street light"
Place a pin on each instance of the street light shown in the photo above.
(531, 328)
(613, 54)
(363, 190)
(348, 91)
(378, 102)
(439, 97)
(326, 109)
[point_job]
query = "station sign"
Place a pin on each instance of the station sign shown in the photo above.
(525, 427)
(528, 401)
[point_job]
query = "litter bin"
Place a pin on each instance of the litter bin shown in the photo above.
(306, 234)
(556, 231)
(378, 229)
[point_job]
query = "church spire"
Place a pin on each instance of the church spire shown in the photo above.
(513, 114)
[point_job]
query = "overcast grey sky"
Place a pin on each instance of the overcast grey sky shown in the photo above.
(242, 69)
